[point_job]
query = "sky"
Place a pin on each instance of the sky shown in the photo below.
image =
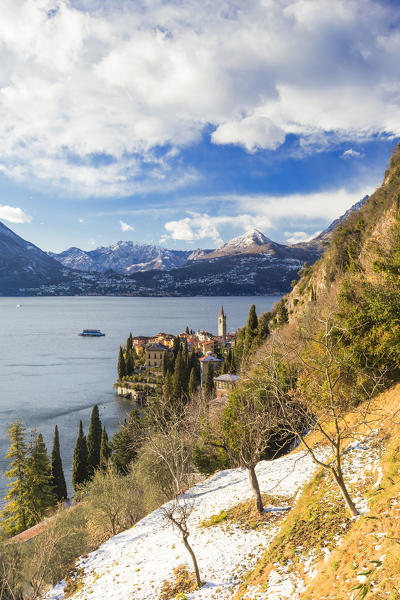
(186, 123)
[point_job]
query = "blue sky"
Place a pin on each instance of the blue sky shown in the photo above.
(187, 123)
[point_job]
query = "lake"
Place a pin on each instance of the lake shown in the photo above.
(49, 375)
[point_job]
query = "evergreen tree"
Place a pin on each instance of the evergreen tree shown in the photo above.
(57, 473)
(176, 347)
(129, 362)
(80, 460)
(194, 364)
(124, 443)
(186, 353)
(282, 312)
(187, 329)
(209, 383)
(165, 364)
(251, 330)
(193, 385)
(39, 495)
(168, 388)
(129, 343)
(93, 441)
(121, 364)
(14, 514)
(179, 380)
(105, 449)
(263, 326)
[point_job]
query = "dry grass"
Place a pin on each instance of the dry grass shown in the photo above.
(245, 515)
(183, 581)
(364, 559)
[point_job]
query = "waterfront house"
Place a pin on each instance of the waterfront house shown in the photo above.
(154, 355)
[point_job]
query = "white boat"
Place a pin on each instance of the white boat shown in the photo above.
(91, 333)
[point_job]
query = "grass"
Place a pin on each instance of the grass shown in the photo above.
(364, 559)
(183, 581)
(245, 515)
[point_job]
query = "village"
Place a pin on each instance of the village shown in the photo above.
(210, 356)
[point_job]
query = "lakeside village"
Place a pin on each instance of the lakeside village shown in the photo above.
(178, 365)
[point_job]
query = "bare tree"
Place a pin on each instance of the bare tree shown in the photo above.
(178, 512)
(250, 429)
(322, 395)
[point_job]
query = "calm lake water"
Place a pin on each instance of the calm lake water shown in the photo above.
(49, 375)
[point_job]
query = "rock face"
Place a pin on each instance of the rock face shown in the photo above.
(24, 265)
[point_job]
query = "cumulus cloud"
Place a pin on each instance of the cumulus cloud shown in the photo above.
(132, 83)
(295, 237)
(252, 133)
(200, 226)
(245, 212)
(126, 227)
(350, 153)
(14, 214)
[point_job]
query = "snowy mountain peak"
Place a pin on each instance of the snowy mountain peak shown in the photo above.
(254, 237)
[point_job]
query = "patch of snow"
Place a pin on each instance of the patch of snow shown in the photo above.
(135, 563)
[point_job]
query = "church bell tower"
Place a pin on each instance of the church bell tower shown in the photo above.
(222, 324)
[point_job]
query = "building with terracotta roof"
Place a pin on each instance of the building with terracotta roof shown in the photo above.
(154, 355)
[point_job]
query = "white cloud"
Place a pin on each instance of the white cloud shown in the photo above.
(124, 79)
(350, 153)
(81, 220)
(126, 227)
(14, 214)
(295, 237)
(265, 212)
(252, 133)
(200, 226)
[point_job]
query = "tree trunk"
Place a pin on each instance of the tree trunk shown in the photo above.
(346, 496)
(194, 560)
(256, 489)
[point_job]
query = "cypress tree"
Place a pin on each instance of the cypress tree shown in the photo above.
(93, 441)
(80, 460)
(168, 389)
(165, 364)
(129, 343)
(192, 382)
(14, 514)
(209, 383)
(57, 473)
(187, 329)
(39, 495)
(251, 329)
(121, 364)
(179, 380)
(129, 362)
(176, 346)
(105, 449)
(263, 326)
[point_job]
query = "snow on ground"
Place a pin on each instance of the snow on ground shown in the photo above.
(134, 564)
(360, 462)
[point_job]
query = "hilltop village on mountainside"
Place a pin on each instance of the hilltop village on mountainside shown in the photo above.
(209, 354)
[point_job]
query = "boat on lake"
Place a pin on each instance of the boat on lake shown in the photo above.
(92, 333)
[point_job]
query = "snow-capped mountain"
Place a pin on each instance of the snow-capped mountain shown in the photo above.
(23, 264)
(251, 242)
(123, 257)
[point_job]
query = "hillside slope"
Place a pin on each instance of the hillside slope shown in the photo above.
(289, 553)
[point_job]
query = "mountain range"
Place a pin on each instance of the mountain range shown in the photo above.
(248, 264)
